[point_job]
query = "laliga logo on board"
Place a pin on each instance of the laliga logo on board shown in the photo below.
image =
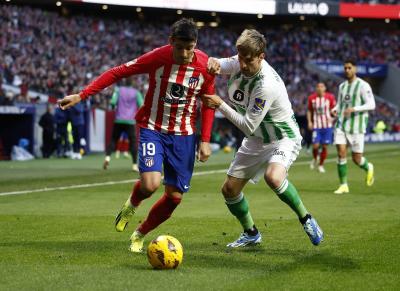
(308, 8)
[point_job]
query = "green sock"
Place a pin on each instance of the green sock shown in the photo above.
(342, 171)
(288, 194)
(364, 164)
(239, 207)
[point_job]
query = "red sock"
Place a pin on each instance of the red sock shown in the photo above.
(137, 196)
(323, 155)
(159, 213)
(315, 153)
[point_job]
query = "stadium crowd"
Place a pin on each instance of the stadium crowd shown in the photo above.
(387, 2)
(56, 55)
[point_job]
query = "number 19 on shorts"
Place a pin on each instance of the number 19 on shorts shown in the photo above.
(149, 149)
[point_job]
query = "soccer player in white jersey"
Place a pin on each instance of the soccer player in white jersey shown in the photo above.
(355, 99)
(272, 142)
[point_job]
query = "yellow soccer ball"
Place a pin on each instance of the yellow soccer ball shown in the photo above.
(227, 149)
(165, 252)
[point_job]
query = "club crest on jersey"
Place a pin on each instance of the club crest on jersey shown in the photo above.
(258, 105)
(149, 162)
(193, 82)
(238, 95)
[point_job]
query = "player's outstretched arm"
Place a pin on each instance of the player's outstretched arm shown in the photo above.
(69, 101)
(207, 118)
(223, 66)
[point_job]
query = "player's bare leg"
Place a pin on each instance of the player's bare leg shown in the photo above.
(363, 163)
(276, 178)
(160, 212)
(239, 207)
(314, 161)
(148, 184)
(342, 169)
(106, 162)
(322, 157)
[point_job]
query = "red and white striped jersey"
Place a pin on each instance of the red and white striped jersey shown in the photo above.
(320, 108)
(170, 105)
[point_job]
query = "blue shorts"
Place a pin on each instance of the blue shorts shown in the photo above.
(322, 135)
(175, 152)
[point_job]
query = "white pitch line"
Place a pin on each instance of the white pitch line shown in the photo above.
(113, 182)
(134, 180)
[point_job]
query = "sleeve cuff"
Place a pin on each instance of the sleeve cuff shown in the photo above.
(224, 107)
(83, 95)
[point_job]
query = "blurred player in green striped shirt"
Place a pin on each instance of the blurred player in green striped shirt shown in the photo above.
(355, 99)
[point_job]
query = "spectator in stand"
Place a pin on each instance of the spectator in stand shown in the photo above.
(396, 127)
(63, 145)
(34, 51)
(9, 99)
(47, 123)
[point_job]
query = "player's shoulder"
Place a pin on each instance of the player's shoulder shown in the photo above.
(165, 50)
(341, 85)
(201, 57)
(269, 79)
(363, 82)
(269, 74)
(312, 96)
(200, 54)
(329, 95)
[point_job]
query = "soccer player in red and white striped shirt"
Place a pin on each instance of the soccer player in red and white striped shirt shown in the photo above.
(320, 122)
(177, 77)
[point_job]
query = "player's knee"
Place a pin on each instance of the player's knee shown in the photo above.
(174, 198)
(356, 159)
(228, 190)
(149, 187)
(273, 179)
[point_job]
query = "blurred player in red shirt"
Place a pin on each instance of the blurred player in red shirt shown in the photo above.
(177, 76)
(320, 122)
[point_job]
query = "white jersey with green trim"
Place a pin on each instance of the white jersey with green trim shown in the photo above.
(262, 100)
(358, 95)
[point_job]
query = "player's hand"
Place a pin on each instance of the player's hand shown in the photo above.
(204, 151)
(213, 66)
(212, 101)
(69, 101)
(333, 112)
(310, 126)
(349, 111)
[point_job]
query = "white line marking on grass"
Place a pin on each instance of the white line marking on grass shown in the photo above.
(96, 184)
(202, 173)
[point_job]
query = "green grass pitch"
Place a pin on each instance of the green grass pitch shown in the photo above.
(65, 239)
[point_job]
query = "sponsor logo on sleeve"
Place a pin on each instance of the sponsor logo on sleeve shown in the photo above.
(277, 152)
(258, 106)
(130, 63)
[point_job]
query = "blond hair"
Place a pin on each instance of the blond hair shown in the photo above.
(251, 42)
